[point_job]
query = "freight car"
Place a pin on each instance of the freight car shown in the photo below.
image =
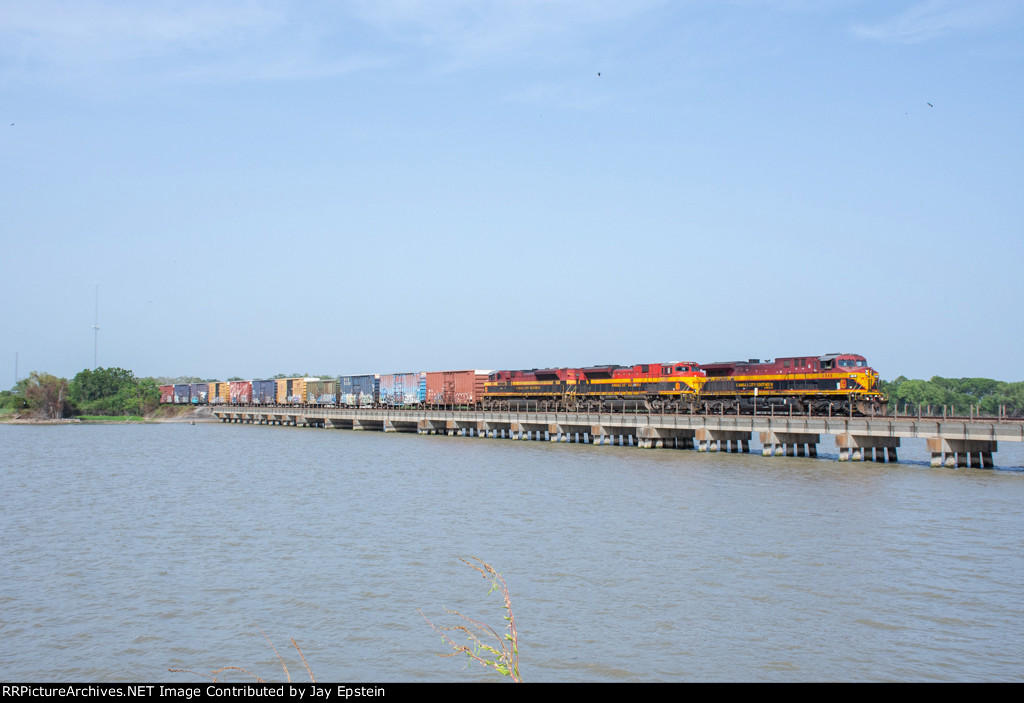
(264, 392)
(240, 392)
(403, 390)
(815, 385)
(456, 389)
(220, 392)
(663, 387)
(362, 391)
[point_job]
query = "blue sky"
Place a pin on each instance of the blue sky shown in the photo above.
(344, 187)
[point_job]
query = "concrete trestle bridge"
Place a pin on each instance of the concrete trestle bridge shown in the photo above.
(953, 442)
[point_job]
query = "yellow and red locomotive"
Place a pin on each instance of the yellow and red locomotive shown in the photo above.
(838, 384)
(814, 385)
(664, 387)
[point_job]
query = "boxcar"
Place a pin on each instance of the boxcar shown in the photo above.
(220, 392)
(362, 391)
(264, 392)
(323, 391)
(240, 392)
(403, 389)
(198, 393)
(456, 388)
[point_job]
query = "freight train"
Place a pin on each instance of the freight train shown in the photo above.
(841, 384)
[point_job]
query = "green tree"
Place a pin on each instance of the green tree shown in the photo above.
(114, 391)
(47, 395)
(991, 396)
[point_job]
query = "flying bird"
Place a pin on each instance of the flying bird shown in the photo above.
(598, 74)
(929, 105)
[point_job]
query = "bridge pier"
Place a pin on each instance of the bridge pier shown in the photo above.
(609, 435)
(861, 448)
(529, 431)
(709, 440)
(567, 433)
(658, 438)
(789, 443)
(959, 453)
(432, 427)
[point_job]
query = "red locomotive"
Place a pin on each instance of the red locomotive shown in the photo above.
(663, 387)
(814, 385)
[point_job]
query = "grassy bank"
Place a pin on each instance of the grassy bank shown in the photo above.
(112, 418)
(166, 413)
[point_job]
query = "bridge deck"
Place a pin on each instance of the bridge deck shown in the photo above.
(857, 437)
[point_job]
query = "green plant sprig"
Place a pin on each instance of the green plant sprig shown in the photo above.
(503, 654)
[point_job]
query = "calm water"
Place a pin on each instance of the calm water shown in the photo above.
(131, 549)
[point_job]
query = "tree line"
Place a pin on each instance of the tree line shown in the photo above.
(985, 394)
(110, 391)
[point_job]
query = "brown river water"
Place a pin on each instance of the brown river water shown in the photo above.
(131, 549)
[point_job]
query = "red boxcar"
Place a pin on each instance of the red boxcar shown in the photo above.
(167, 394)
(241, 392)
(458, 388)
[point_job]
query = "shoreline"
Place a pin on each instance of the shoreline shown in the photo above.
(193, 416)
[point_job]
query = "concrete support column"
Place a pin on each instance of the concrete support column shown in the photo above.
(790, 444)
(866, 448)
(958, 453)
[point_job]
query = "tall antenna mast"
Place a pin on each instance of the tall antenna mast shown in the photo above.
(96, 331)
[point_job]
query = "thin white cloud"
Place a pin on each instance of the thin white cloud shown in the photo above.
(52, 31)
(936, 18)
(104, 41)
(473, 30)
(116, 41)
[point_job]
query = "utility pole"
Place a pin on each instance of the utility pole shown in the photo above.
(96, 331)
